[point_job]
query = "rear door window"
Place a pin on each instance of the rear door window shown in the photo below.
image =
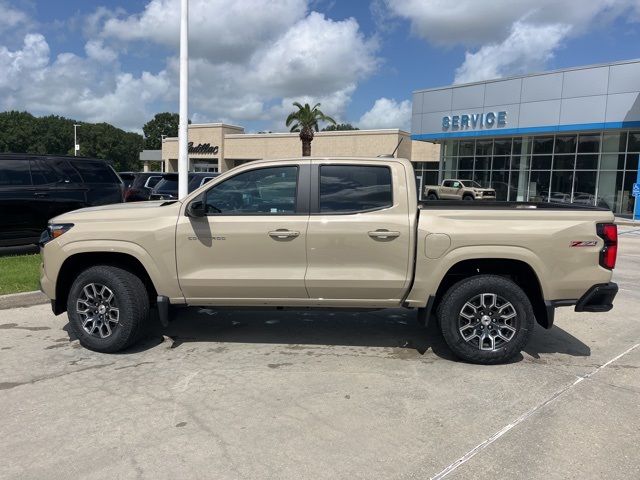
(152, 181)
(65, 170)
(42, 173)
(14, 173)
(354, 188)
(95, 172)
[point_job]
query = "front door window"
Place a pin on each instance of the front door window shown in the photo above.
(264, 191)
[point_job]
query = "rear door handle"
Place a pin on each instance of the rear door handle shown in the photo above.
(283, 233)
(40, 194)
(383, 234)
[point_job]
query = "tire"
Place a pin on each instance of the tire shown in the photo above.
(432, 196)
(468, 198)
(465, 330)
(109, 325)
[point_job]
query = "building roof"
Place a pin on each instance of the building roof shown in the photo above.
(535, 74)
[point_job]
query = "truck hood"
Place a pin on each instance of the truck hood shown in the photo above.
(116, 211)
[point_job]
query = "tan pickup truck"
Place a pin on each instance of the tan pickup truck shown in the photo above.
(459, 190)
(344, 233)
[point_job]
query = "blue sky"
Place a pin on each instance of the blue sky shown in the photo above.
(116, 61)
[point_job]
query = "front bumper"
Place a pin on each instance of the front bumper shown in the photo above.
(46, 285)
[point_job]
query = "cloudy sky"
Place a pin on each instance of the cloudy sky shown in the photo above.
(116, 60)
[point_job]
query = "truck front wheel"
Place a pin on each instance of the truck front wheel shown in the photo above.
(486, 319)
(106, 307)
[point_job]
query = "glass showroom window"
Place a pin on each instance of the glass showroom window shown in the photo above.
(587, 168)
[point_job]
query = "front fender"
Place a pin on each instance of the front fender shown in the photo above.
(161, 271)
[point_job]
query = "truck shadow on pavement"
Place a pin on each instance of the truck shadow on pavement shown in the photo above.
(393, 329)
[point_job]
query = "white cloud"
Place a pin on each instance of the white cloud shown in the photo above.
(315, 60)
(472, 22)
(219, 30)
(527, 48)
(506, 33)
(75, 86)
(12, 17)
(249, 61)
(96, 50)
(387, 113)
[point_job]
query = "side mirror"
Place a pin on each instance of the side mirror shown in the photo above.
(196, 208)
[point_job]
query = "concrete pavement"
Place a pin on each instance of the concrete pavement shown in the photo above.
(323, 395)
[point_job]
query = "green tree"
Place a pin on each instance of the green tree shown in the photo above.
(338, 127)
(161, 124)
(305, 120)
(21, 132)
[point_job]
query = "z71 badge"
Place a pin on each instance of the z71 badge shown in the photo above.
(583, 243)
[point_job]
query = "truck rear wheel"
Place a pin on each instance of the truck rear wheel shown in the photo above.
(486, 319)
(106, 307)
(432, 196)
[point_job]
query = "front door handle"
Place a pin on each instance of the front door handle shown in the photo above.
(40, 194)
(383, 234)
(284, 233)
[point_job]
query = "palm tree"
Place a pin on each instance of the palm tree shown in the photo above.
(305, 120)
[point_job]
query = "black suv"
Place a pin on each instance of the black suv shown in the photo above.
(167, 188)
(138, 185)
(35, 188)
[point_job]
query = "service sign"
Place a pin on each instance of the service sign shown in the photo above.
(474, 121)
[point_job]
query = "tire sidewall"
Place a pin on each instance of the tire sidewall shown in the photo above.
(467, 289)
(126, 327)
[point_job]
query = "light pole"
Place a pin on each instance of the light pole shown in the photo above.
(162, 137)
(76, 147)
(183, 129)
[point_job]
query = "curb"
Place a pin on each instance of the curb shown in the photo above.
(23, 299)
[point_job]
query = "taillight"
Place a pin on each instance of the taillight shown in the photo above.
(129, 193)
(609, 233)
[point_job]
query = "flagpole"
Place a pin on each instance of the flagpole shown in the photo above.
(183, 139)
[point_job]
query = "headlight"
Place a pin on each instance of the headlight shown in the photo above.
(53, 231)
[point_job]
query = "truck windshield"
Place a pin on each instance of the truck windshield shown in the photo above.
(471, 183)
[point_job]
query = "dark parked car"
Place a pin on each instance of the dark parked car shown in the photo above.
(35, 188)
(138, 185)
(167, 188)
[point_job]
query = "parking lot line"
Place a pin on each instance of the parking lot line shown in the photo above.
(480, 447)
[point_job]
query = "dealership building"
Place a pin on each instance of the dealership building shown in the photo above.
(218, 147)
(564, 136)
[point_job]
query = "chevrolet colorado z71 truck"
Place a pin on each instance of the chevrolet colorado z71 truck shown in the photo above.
(459, 190)
(344, 233)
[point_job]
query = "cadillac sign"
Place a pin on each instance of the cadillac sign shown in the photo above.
(473, 121)
(203, 148)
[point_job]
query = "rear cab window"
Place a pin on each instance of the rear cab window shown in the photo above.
(354, 188)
